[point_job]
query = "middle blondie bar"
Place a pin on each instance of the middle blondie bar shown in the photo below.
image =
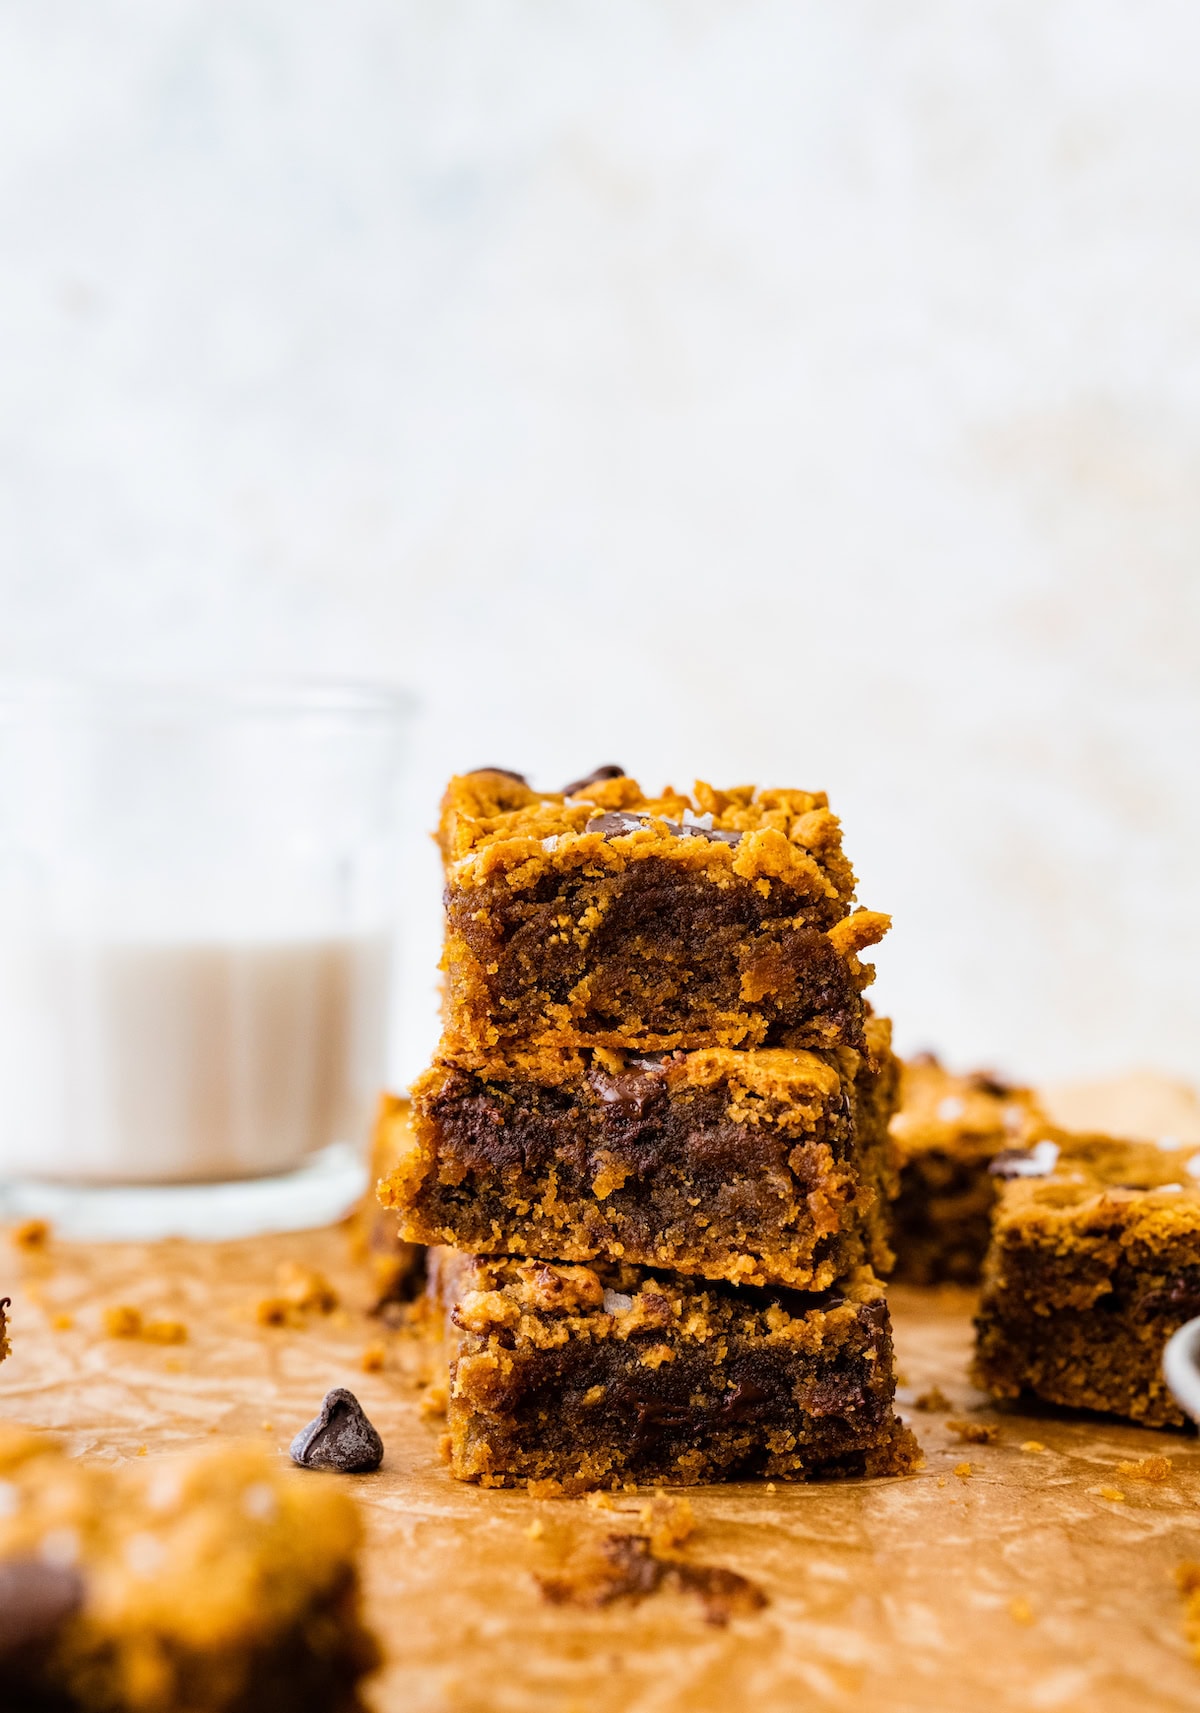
(760, 1167)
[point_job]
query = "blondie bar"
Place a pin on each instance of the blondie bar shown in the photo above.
(210, 1583)
(770, 1166)
(1094, 1263)
(611, 919)
(946, 1133)
(599, 1376)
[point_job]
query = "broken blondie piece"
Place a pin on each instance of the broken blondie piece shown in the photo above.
(1094, 1263)
(582, 1377)
(770, 1166)
(947, 1131)
(210, 1583)
(614, 920)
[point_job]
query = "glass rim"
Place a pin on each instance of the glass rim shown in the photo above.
(283, 696)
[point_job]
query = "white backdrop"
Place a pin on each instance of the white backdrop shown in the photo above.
(755, 388)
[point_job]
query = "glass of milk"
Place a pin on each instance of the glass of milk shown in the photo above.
(198, 898)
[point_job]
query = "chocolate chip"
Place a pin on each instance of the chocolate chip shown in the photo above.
(35, 1598)
(593, 778)
(505, 772)
(339, 1438)
(614, 822)
(630, 1091)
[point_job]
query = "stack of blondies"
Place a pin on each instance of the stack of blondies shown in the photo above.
(651, 1152)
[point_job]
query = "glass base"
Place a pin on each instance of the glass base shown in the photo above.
(320, 1192)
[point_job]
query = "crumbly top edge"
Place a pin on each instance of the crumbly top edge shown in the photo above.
(973, 1114)
(539, 1302)
(216, 1547)
(1069, 1178)
(493, 824)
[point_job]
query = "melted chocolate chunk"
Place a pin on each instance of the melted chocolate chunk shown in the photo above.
(657, 1421)
(614, 822)
(1178, 1296)
(743, 1401)
(339, 1438)
(593, 778)
(630, 1091)
(505, 772)
(35, 1598)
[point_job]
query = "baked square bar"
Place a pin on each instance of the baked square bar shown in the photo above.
(211, 1583)
(771, 1166)
(1094, 1263)
(611, 919)
(947, 1132)
(599, 1376)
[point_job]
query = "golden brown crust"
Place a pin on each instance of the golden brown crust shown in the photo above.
(619, 920)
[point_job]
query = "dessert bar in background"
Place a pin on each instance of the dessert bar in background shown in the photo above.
(597, 1376)
(610, 919)
(397, 1267)
(1094, 1263)
(947, 1132)
(214, 1583)
(765, 1166)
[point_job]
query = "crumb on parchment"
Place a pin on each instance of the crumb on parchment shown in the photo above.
(30, 1234)
(122, 1320)
(1146, 1469)
(933, 1399)
(975, 1433)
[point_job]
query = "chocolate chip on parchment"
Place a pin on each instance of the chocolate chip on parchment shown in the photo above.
(594, 778)
(35, 1598)
(340, 1437)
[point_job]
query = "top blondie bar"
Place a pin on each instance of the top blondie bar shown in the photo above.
(600, 917)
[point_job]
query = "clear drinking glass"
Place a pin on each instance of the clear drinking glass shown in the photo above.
(198, 900)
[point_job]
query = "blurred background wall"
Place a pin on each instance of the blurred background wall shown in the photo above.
(763, 389)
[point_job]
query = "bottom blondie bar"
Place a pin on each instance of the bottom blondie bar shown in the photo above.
(205, 1584)
(946, 1133)
(1094, 1263)
(600, 1376)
